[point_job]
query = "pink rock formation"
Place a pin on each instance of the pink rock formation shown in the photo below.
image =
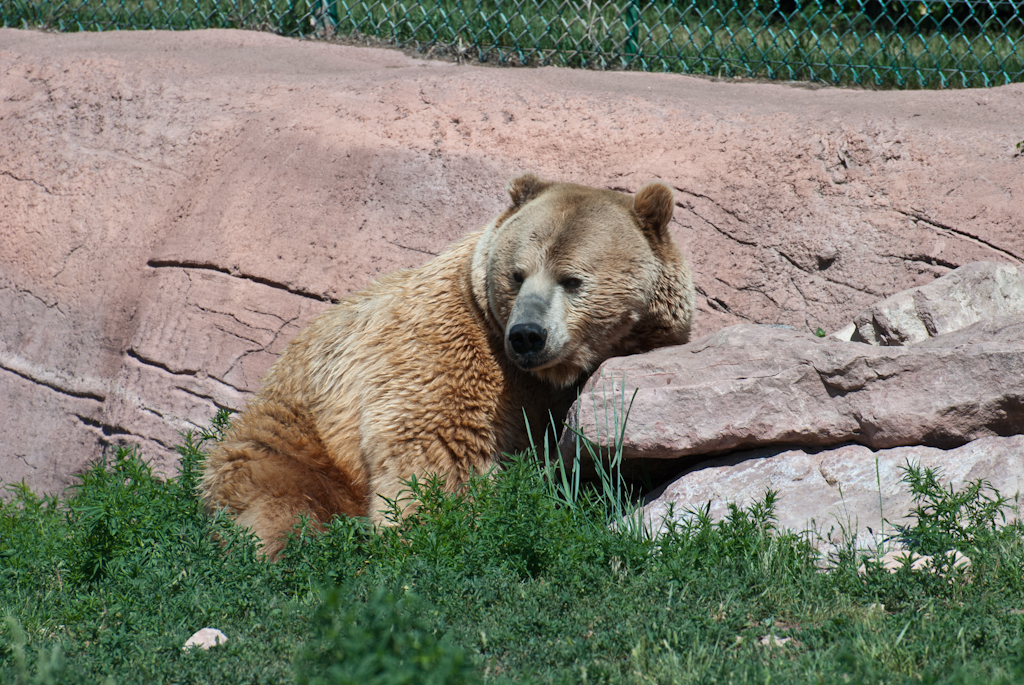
(982, 290)
(749, 386)
(173, 206)
(842, 491)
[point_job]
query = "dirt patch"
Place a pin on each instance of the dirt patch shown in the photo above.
(174, 206)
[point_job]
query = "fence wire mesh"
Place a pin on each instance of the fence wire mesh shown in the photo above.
(950, 43)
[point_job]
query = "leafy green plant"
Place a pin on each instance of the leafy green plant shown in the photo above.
(382, 640)
(49, 667)
(515, 578)
(116, 516)
(27, 14)
(118, 513)
(945, 518)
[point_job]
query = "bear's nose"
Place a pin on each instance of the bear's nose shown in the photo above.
(527, 337)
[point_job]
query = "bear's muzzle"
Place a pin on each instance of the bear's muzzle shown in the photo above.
(527, 338)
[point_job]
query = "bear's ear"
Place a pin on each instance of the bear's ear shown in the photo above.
(524, 188)
(653, 205)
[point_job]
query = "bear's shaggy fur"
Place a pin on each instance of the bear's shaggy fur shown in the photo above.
(429, 370)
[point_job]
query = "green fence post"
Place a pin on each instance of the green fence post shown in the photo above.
(633, 23)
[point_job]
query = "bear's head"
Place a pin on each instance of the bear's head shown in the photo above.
(570, 276)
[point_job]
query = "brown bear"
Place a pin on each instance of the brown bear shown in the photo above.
(430, 370)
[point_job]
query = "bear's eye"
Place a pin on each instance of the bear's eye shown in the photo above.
(571, 283)
(517, 276)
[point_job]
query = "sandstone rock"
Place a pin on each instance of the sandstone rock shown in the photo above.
(748, 386)
(840, 492)
(205, 638)
(982, 290)
(174, 205)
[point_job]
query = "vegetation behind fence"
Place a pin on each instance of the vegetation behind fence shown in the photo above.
(949, 43)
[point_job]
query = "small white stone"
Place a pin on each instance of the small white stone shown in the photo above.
(845, 333)
(206, 638)
(773, 641)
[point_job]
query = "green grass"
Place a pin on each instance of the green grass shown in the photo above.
(951, 43)
(518, 578)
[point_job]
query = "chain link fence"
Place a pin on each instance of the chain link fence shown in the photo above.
(950, 43)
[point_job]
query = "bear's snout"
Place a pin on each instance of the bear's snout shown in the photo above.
(527, 338)
(532, 337)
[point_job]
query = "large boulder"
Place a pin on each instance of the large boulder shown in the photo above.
(748, 386)
(844, 493)
(175, 205)
(941, 387)
(983, 290)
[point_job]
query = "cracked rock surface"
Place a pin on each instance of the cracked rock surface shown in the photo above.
(982, 290)
(839, 493)
(174, 206)
(832, 422)
(750, 386)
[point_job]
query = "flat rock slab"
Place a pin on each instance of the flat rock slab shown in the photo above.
(750, 385)
(843, 491)
(174, 205)
(982, 290)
